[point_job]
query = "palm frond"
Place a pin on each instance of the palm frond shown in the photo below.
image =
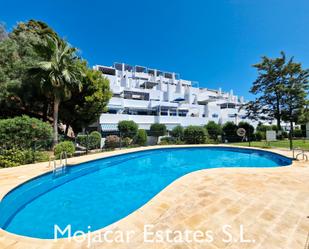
(45, 65)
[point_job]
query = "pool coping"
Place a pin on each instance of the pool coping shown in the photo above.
(38, 169)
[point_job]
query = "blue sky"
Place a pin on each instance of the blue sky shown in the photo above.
(214, 42)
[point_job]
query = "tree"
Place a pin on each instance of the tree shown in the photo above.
(214, 130)
(177, 132)
(20, 51)
(195, 135)
(295, 95)
(59, 75)
(3, 33)
(21, 89)
(86, 105)
(269, 86)
(127, 128)
(158, 130)
(304, 118)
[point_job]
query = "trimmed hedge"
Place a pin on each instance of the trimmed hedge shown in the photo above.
(157, 130)
(127, 128)
(94, 140)
(298, 133)
(229, 129)
(259, 136)
(177, 132)
(141, 137)
(66, 146)
(214, 130)
(195, 135)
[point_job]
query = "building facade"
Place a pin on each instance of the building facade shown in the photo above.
(149, 96)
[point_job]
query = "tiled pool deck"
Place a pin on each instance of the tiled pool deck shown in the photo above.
(272, 204)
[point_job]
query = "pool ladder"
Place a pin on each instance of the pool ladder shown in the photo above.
(60, 169)
(301, 152)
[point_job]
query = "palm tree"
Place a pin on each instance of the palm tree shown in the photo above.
(58, 75)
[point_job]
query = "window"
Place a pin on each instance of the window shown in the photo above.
(215, 115)
(136, 95)
(168, 75)
(223, 106)
(182, 113)
(228, 105)
(107, 70)
(173, 112)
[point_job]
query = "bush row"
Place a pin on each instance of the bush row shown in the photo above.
(113, 141)
(15, 157)
(24, 132)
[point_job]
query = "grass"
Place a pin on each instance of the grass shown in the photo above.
(304, 144)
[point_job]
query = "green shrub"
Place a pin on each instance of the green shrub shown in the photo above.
(22, 132)
(274, 127)
(92, 141)
(259, 136)
(229, 131)
(95, 139)
(112, 141)
(141, 137)
(164, 142)
(285, 134)
(213, 141)
(263, 128)
(298, 133)
(127, 128)
(15, 157)
(66, 146)
(177, 132)
(158, 130)
(168, 140)
(214, 130)
(195, 135)
(81, 140)
(126, 141)
(41, 156)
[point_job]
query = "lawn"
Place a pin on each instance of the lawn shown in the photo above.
(304, 144)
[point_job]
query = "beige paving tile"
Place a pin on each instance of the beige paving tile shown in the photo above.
(271, 203)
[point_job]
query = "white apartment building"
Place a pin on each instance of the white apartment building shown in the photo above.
(149, 96)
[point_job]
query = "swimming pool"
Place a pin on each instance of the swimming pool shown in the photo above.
(101, 192)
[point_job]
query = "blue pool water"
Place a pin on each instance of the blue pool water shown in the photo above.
(100, 192)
